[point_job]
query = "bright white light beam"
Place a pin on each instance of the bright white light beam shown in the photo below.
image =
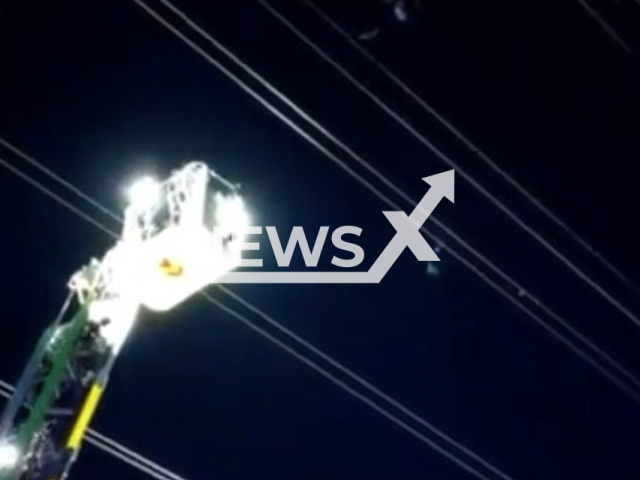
(9, 455)
(144, 192)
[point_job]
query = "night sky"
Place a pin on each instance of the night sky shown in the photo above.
(100, 93)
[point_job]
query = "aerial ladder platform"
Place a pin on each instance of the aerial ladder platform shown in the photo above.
(178, 236)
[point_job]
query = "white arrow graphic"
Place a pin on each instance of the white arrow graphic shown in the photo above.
(408, 228)
(442, 186)
(407, 235)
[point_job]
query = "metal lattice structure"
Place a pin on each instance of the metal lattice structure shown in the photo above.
(178, 237)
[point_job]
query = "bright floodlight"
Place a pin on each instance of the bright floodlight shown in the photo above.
(232, 214)
(144, 192)
(9, 455)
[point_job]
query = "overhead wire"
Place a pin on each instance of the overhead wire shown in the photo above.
(96, 436)
(336, 364)
(614, 381)
(382, 411)
(51, 194)
(452, 163)
(57, 198)
(359, 396)
(605, 26)
(515, 300)
(129, 460)
(57, 178)
(470, 144)
(114, 448)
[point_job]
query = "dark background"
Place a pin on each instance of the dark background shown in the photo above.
(99, 92)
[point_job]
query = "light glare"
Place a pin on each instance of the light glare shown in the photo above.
(9, 456)
(144, 192)
(232, 215)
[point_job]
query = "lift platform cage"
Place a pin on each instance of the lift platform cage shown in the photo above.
(183, 234)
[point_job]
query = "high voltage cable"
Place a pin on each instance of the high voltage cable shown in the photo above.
(114, 448)
(290, 123)
(323, 130)
(120, 456)
(305, 360)
(324, 372)
(452, 163)
(54, 196)
(58, 179)
(605, 26)
(363, 398)
(167, 474)
(402, 85)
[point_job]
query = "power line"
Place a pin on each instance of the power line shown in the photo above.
(283, 346)
(115, 448)
(119, 455)
(605, 26)
(167, 474)
(335, 380)
(469, 143)
(449, 161)
(332, 378)
(345, 370)
(54, 196)
(384, 412)
(350, 373)
(493, 284)
(57, 178)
